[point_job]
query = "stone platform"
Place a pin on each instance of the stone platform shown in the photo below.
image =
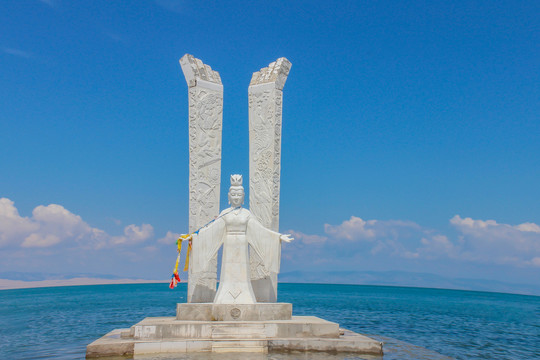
(170, 335)
(233, 312)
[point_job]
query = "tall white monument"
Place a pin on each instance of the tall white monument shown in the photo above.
(243, 316)
(205, 125)
(265, 109)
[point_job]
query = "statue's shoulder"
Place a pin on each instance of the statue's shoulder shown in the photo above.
(246, 212)
(224, 212)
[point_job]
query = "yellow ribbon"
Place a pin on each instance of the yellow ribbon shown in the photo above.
(186, 267)
(179, 244)
(175, 271)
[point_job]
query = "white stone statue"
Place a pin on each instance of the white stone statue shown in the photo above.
(235, 229)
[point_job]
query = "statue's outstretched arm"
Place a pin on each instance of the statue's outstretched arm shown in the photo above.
(286, 237)
(283, 237)
(207, 243)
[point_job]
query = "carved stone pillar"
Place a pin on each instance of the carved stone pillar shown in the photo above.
(205, 124)
(265, 105)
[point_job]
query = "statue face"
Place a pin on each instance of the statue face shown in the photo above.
(236, 196)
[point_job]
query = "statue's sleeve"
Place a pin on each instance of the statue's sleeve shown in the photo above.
(206, 244)
(266, 244)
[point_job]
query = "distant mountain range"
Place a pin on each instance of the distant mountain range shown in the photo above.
(39, 276)
(403, 278)
(389, 278)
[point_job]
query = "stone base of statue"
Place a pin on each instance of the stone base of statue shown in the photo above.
(222, 328)
(234, 312)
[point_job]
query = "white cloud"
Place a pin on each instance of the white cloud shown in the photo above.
(353, 229)
(39, 240)
(134, 234)
(480, 241)
(307, 239)
(53, 224)
(490, 241)
(356, 238)
(435, 246)
(55, 219)
(532, 227)
(170, 238)
(357, 229)
(12, 225)
(48, 226)
(438, 242)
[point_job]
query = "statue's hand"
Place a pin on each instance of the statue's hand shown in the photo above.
(286, 238)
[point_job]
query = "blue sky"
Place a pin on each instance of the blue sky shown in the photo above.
(411, 132)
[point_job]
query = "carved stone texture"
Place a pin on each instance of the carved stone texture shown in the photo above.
(205, 125)
(196, 71)
(265, 115)
(276, 73)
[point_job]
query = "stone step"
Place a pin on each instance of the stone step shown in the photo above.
(171, 328)
(113, 344)
(236, 345)
(238, 331)
(233, 312)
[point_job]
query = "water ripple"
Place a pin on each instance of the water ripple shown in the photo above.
(413, 323)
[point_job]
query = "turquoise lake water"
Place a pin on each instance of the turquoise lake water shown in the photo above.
(414, 323)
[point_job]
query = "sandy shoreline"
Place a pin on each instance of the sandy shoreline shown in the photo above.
(19, 284)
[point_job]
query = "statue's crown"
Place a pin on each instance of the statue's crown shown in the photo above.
(236, 180)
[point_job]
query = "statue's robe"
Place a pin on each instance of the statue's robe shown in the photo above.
(236, 229)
